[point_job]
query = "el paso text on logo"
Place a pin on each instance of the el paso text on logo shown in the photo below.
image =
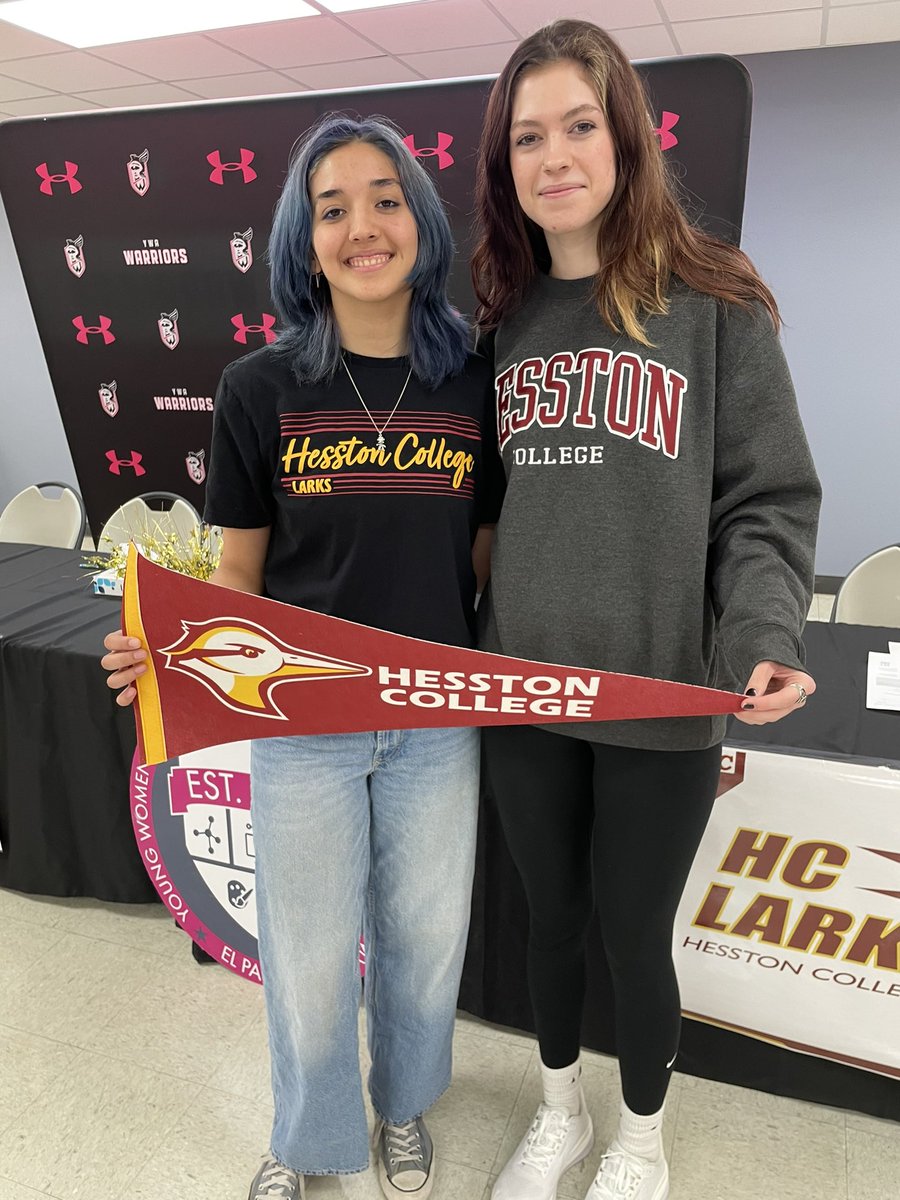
(490, 692)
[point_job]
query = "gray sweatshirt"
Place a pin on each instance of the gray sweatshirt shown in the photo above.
(661, 507)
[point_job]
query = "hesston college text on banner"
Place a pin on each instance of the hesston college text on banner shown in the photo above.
(220, 663)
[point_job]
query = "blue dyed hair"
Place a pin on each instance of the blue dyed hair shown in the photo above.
(438, 335)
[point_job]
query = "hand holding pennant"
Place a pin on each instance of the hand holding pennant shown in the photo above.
(225, 666)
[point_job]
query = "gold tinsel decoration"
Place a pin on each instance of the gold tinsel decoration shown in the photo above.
(197, 556)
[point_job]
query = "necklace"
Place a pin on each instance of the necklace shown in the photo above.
(379, 441)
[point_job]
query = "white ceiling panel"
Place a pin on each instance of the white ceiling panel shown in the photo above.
(259, 83)
(47, 105)
(139, 97)
(16, 42)
(437, 25)
(14, 89)
(364, 72)
(698, 10)
(528, 15)
(750, 35)
(467, 60)
(297, 43)
(189, 55)
(864, 23)
(649, 41)
(72, 72)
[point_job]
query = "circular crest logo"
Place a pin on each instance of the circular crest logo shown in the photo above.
(192, 822)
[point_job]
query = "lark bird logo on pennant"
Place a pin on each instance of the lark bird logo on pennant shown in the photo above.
(216, 657)
(242, 663)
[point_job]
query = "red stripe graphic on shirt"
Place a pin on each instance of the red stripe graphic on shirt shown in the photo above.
(348, 422)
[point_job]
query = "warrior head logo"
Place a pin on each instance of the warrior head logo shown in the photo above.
(241, 252)
(74, 251)
(139, 172)
(168, 329)
(242, 663)
(195, 467)
(108, 400)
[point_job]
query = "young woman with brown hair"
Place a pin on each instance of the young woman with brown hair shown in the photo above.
(660, 519)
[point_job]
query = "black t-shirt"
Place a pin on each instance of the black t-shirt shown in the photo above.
(379, 536)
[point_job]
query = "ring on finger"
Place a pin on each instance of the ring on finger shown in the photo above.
(802, 694)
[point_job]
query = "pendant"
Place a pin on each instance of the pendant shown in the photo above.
(379, 441)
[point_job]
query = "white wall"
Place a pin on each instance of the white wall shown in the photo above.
(822, 222)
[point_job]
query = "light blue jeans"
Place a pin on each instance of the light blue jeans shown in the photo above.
(371, 831)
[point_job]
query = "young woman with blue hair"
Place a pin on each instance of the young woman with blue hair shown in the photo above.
(310, 480)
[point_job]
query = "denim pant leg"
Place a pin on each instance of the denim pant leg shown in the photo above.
(424, 793)
(311, 837)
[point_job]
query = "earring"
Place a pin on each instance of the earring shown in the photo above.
(317, 279)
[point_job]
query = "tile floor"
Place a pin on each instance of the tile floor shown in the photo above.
(128, 1072)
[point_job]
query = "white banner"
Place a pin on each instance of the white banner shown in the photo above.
(789, 928)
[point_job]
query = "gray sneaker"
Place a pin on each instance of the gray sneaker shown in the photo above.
(273, 1180)
(405, 1159)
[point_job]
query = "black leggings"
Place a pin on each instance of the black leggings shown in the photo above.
(592, 825)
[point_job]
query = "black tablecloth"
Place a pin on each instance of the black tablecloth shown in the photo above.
(835, 724)
(65, 746)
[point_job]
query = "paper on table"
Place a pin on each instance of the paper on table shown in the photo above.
(894, 647)
(883, 681)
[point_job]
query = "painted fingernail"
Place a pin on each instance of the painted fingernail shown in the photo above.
(750, 692)
(747, 706)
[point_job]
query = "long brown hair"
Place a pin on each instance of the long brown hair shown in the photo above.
(644, 238)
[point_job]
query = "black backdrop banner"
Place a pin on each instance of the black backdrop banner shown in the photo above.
(142, 236)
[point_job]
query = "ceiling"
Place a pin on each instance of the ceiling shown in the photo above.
(430, 39)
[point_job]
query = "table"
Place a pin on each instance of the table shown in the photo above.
(65, 746)
(835, 724)
(66, 750)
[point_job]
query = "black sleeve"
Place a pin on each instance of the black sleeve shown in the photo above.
(239, 485)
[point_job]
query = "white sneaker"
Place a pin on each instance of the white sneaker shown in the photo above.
(555, 1142)
(624, 1176)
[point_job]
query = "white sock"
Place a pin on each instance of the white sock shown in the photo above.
(562, 1087)
(640, 1135)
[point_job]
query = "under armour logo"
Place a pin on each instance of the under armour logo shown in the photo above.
(116, 464)
(49, 180)
(266, 328)
(444, 141)
(217, 174)
(667, 139)
(85, 331)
